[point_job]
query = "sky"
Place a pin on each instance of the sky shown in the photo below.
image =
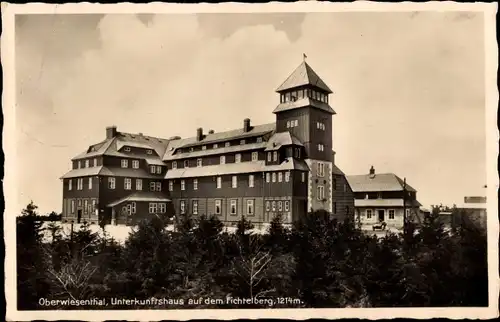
(408, 88)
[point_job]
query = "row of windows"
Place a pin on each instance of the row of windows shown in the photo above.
(155, 169)
(216, 145)
(127, 184)
(85, 205)
(86, 163)
(302, 93)
(155, 207)
(391, 213)
(233, 207)
(127, 149)
(222, 160)
(292, 123)
(79, 184)
(271, 205)
(320, 126)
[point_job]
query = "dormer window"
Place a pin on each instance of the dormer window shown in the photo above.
(237, 158)
(186, 164)
(228, 144)
(204, 147)
(124, 163)
(95, 162)
(127, 149)
(152, 169)
(87, 163)
(242, 142)
(191, 149)
(79, 164)
(216, 145)
(259, 140)
(222, 159)
(275, 156)
(199, 162)
(149, 151)
(174, 164)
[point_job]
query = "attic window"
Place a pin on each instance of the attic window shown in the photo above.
(259, 140)
(172, 148)
(127, 149)
(149, 152)
(191, 149)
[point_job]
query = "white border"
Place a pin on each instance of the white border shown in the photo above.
(8, 59)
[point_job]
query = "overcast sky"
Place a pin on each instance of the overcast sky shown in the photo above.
(409, 88)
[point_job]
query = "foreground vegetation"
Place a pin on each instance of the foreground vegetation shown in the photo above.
(317, 263)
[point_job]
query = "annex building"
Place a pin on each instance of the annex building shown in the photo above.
(384, 197)
(259, 171)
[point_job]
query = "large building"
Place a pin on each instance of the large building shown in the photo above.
(384, 197)
(258, 171)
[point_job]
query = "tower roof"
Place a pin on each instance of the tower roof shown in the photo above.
(303, 75)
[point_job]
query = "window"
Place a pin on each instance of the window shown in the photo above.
(79, 202)
(232, 209)
(195, 207)
(152, 186)
(287, 176)
(268, 206)
(163, 207)
(79, 184)
(321, 147)
(251, 182)
(303, 177)
(183, 206)
(280, 205)
(152, 169)
(296, 123)
(269, 156)
(158, 169)
(218, 207)
(95, 162)
(191, 149)
(133, 208)
(87, 163)
(216, 145)
(275, 156)
(124, 163)
(111, 183)
(268, 177)
(174, 164)
(199, 162)
(90, 183)
(242, 142)
(287, 205)
(127, 149)
(274, 205)
(391, 214)
(222, 159)
(234, 182)
(85, 205)
(195, 184)
(255, 156)
(186, 163)
(273, 176)
(171, 185)
(72, 206)
(138, 184)
(79, 164)
(287, 124)
(280, 177)
(128, 184)
(321, 193)
(237, 158)
(250, 204)
(297, 153)
(183, 185)
(320, 126)
(227, 144)
(135, 164)
(259, 140)
(368, 213)
(219, 182)
(70, 184)
(321, 169)
(204, 147)
(149, 151)
(153, 207)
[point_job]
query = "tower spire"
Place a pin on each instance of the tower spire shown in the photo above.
(304, 57)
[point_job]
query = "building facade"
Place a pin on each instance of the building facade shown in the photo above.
(283, 168)
(384, 198)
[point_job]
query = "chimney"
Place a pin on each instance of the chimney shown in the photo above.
(372, 172)
(199, 134)
(211, 132)
(246, 125)
(111, 132)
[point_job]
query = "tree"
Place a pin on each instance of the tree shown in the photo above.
(32, 283)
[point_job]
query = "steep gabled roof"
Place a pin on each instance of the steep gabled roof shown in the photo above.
(379, 182)
(301, 76)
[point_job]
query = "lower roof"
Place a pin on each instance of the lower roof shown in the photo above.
(384, 203)
(141, 196)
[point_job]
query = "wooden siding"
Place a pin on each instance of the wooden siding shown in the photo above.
(343, 198)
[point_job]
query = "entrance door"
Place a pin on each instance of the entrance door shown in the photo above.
(79, 216)
(381, 215)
